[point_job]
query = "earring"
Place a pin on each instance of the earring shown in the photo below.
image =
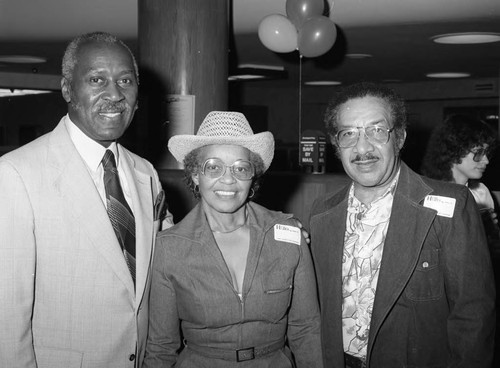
(252, 193)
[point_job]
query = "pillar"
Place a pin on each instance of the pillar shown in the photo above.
(183, 63)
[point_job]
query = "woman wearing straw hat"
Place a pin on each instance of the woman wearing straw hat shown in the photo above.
(233, 283)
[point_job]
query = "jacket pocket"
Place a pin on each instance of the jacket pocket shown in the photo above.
(276, 300)
(427, 281)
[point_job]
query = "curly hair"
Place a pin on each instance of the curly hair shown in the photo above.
(192, 166)
(70, 58)
(451, 141)
(395, 103)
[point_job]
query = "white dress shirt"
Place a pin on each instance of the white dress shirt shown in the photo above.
(92, 154)
(482, 196)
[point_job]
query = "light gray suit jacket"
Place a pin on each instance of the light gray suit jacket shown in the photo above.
(67, 298)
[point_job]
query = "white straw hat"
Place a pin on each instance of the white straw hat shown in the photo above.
(224, 127)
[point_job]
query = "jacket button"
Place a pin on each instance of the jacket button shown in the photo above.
(425, 264)
(131, 357)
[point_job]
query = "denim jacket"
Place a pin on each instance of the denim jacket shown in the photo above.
(192, 296)
(435, 299)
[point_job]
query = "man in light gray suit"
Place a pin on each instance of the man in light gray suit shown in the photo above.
(74, 285)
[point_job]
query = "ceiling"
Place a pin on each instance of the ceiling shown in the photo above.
(395, 32)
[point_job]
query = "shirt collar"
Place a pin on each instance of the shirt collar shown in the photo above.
(389, 191)
(90, 151)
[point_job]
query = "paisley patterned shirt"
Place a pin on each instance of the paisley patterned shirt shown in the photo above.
(366, 229)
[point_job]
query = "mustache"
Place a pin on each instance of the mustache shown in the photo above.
(110, 106)
(365, 157)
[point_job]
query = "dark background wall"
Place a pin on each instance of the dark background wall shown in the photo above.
(270, 107)
(286, 113)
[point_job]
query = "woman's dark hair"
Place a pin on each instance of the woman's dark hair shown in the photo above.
(451, 141)
(192, 166)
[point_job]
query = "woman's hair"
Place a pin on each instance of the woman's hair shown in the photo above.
(365, 89)
(451, 141)
(192, 166)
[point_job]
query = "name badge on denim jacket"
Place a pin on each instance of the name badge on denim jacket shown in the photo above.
(286, 233)
(445, 206)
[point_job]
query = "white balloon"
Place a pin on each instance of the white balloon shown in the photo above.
(278, 33)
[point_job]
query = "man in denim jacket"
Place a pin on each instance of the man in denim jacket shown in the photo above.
(404, 273)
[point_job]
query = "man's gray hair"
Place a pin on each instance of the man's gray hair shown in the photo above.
(70, 59)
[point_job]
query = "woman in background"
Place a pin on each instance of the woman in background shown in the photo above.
(233, 283)
(459, 151)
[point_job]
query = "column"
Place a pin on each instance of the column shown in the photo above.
(183, 62)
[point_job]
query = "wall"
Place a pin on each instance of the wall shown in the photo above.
(275, 109)
(427, 104)
(270, 106)
(426, 100)
(24, 118)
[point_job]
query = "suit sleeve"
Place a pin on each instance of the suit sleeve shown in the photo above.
(164, 338)
(470, 288)
(304, 319)
(17, 270)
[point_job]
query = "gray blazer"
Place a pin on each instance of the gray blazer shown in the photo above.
(67, 296)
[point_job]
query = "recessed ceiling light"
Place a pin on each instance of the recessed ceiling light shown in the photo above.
(22, 59)
(358, 56)
(4, 92)
(245, 77)
(467, 38)
(261, 67)
(322, 83)
(256, 72)
(448, 75)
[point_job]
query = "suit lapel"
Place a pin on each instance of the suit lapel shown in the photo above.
(84, 203)
(141, 192)
(335, 256)
(407, 230)
(328, 258)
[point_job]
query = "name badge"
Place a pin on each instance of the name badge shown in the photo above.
(286, 233)
(445, 206)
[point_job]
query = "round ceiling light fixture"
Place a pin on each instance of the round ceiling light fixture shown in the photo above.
(22, 59)
(448, 75)
(358, 56)
(322, 83)
(466, 38)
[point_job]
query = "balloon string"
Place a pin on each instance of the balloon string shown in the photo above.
(330, 6)
(300, 102)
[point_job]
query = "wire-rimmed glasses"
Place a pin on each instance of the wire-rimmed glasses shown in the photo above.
(375, 134)
(214, 168)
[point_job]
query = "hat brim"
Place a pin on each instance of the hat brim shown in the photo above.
(261, 144)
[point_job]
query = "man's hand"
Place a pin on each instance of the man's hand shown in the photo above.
(305, 233)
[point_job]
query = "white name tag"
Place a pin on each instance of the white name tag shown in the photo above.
(445, 206)
(286, 233)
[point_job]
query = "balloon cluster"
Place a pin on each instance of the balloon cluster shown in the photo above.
(305, 29)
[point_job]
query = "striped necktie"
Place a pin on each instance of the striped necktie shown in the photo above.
(119, 212)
